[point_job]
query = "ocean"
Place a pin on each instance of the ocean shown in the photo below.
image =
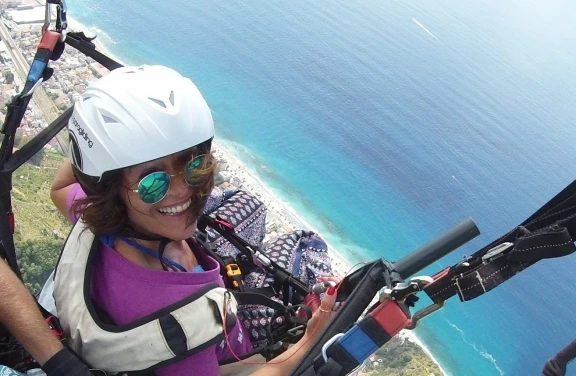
(385, 123)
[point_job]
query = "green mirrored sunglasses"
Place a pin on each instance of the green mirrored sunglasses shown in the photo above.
(153, 187)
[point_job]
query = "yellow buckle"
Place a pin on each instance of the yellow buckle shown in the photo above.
(233, 270)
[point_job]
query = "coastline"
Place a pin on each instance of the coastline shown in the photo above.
(340, 265)
(74, 25)
(255, 185)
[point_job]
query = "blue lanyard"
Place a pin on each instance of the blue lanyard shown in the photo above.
(148, 251)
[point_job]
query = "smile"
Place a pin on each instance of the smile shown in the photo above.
(177, 209)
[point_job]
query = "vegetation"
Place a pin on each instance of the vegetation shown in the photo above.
(401, 357)
(39, 228)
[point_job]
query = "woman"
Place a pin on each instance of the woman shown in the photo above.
(139, 176)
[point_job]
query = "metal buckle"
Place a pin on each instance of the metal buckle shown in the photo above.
(329, 343)
(321, 287)
(402, 290)
(260, 259)
(496, 252)
(419, 315)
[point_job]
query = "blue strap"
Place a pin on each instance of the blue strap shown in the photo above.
(108, 240)
(36, 70)
(150, 252)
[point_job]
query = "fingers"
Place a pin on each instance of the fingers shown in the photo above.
(553, 369)
(328, 278)
(328, 301)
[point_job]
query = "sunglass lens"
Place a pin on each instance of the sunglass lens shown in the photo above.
(153, 187)
(192, 167)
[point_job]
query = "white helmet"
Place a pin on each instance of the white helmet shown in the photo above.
(134, 115)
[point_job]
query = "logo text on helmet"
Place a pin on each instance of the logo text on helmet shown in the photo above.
(82, 133)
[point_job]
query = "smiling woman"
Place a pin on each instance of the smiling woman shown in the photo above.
(134, 193)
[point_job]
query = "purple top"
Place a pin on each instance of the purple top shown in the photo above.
(126, 292)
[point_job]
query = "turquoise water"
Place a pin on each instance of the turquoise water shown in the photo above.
(386, 123)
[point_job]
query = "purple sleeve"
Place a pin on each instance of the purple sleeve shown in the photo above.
(239, 341)
(75, 193)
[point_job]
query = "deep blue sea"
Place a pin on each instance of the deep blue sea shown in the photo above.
(384, 123)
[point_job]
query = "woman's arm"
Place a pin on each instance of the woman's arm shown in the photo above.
(61, 187)
(285, 362)
(557, 365)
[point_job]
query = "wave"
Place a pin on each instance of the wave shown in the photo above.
(424, 28)
(482, 351)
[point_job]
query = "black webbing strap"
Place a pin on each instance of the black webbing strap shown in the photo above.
(49, 48)
(282, 278)
(548, 233)
(84, 44)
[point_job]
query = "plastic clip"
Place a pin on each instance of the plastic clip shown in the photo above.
(233, 271)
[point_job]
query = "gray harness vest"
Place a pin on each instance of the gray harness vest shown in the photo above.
(166, 336)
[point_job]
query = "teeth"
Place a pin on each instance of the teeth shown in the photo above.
(173, 210)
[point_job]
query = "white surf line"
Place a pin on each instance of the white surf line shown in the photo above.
(424, 28)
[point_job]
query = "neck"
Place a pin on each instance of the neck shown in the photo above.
(177, 251)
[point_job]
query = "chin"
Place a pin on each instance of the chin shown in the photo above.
(179, 231)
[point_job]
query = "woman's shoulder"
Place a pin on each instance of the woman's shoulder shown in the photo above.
(75, 193)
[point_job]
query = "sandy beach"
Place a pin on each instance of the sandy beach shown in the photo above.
(281, 210)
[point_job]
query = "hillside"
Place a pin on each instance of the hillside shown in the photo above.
(39, 228)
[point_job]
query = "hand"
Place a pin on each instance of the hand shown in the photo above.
(328, 278)
(552, 368)
(320, 319)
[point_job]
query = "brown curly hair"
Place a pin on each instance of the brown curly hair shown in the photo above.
(104, 212)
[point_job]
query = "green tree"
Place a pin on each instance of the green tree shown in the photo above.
(37, 258)
(9, 77)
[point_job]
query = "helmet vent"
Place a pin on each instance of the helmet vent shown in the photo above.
(158, 102)
(108, 119)
(172, 98)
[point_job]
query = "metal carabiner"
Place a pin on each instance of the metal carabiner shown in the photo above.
(47, 17)
(329, 343)
(419, 315)
(63, 27)
(61, 8)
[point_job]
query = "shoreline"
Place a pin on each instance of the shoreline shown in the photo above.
(74, 25)
(253, 183)
(340, 265)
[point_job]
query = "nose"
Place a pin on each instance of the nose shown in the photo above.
(178, 186)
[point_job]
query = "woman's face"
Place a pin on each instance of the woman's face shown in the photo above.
(171, 217)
